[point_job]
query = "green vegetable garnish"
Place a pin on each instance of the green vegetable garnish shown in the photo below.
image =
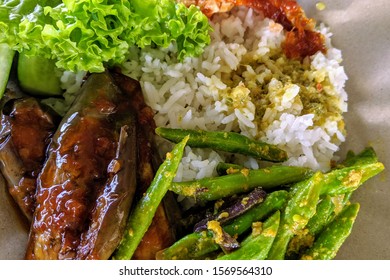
(91, 34)
(6, 58)
(38, 76)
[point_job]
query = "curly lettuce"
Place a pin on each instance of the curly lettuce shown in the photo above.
(89, 35)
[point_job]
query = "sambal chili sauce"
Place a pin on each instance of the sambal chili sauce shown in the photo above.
(301, 40)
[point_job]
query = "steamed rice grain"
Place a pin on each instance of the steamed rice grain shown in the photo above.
(243, 82)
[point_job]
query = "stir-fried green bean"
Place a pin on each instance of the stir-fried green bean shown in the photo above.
(224, 168)
(311, 210)
(330, 240)
(366, 156)
(348, 179)
(323, 214)
(275, 201)
(198, 244)
(305, 238)
(219, 187)
(299, 209)
(142, 215)
(256, 247)
(352, 172)
(225, 141)
(242, 205)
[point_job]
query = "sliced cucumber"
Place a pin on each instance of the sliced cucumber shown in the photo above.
(6, 58)
(38, 76)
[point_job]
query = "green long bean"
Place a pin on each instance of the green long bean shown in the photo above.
(198, 244)
(225, 141)
(299, 209)
(328, 243)
(223, 186)
(142, 215)
(256, 247)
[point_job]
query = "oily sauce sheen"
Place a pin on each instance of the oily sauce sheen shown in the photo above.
(27, 131)
(71, 179)
(75, 171)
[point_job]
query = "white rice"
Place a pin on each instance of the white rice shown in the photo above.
(244, 83)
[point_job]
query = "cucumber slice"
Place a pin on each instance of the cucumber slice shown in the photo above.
(6, 58)
(38, 76)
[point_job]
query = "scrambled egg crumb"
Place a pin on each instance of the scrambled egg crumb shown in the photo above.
(301, 241)
(257, 228)
(223, 215)
(320, 6)
(216, 228)
(218, 204)
(240, 95)
(169, 156)
(232, 170)
(244, 201)
(245, 172)
(353, 179)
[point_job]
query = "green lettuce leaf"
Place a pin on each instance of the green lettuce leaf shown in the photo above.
(91, 34)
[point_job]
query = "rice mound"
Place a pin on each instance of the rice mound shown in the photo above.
(243, 82)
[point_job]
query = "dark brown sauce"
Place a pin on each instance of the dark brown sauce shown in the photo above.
(71, 179)
(77, 204)
(78, 166)
(30, 131)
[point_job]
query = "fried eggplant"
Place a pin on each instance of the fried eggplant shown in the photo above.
(161, 232)
(26, 130)
(87, 184)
